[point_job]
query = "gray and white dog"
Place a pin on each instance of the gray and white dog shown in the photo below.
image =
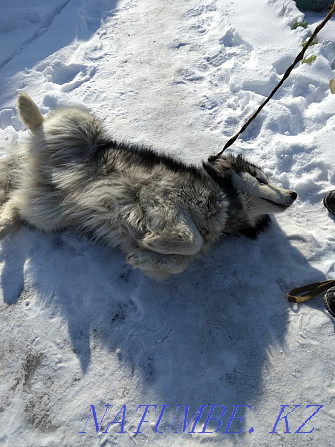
(160, 211)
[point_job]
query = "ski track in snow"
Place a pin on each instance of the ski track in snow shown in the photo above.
(79, 326)
(43, 28)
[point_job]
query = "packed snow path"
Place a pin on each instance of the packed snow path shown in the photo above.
(78, 326)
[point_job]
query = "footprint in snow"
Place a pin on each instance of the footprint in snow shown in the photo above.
(231, 38)
(185, 75)
(68, 76)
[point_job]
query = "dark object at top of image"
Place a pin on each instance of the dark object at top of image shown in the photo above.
(313, 5)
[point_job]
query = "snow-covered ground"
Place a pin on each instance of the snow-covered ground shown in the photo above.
(78, 327)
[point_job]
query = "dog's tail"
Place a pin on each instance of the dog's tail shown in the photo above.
(10, 165)
(29, 112)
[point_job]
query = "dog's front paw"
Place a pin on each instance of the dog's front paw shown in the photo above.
(135, 258)
(150, 241)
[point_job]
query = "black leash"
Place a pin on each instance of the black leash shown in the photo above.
(285, 76)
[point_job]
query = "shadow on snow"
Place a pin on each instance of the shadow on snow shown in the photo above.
(203, 336)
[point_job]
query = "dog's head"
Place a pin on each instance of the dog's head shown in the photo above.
(251, 185)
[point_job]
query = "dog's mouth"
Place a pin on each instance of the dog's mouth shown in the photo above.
(278, 205)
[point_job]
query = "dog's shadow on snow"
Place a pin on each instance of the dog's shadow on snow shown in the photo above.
(201, 337)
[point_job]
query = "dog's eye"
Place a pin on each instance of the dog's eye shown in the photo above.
(261, 181)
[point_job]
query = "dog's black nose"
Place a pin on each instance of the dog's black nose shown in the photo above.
(293, 195)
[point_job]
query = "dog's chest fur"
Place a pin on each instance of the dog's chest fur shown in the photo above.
(137, 198)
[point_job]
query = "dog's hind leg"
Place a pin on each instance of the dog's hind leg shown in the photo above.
(157, 265)
(9, 218)
(29, 112)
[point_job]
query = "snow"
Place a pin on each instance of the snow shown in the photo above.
(78, 326)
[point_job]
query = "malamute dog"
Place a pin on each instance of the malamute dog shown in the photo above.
(160, 211)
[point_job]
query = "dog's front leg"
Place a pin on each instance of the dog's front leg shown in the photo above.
(183, 238)
(173, 244)
(156, 263)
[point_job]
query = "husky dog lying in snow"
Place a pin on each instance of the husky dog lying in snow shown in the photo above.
(160, 211)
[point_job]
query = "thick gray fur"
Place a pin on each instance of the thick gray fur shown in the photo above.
(159, 211)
